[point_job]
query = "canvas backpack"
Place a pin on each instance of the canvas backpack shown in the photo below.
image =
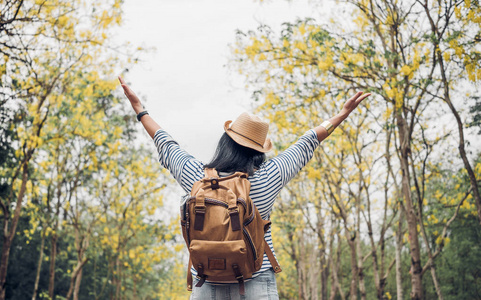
(224, 231)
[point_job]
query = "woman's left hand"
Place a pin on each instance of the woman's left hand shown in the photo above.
(348, 107)
(352, 103)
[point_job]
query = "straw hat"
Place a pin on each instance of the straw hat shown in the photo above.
(249, 131)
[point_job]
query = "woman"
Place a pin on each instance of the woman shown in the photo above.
(242, 148)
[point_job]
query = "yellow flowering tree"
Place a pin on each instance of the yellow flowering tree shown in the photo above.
(299, 75)
(57, 98)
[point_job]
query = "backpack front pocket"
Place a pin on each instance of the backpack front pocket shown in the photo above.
(217, 259)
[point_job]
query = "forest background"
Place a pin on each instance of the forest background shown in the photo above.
(389, 208)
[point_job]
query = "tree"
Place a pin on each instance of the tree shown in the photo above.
(43, 46)
(394, 53)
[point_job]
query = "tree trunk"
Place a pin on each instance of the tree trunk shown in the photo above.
(399, 244)
(335, 285)
(76, 277)
(4, 265)
(39, 266)
(53, 257)
(325, 266)
(416, 268)
(437, 287)
(78, 280)
(362, 286)
(354, 269)
(314, 272)
(295, 259)
(117, 280)
(302, 269)
(377, 280)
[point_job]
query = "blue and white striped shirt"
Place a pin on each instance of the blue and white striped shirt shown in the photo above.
(266, 183)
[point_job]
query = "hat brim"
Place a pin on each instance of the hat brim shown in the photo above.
(241, 140)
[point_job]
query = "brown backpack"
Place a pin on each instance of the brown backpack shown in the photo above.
(224, 231)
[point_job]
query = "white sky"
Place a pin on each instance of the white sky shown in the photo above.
(184, 83)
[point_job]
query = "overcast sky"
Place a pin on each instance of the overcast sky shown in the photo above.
(184, 82)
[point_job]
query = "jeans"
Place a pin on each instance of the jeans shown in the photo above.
(262, 287)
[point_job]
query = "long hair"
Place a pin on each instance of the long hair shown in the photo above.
(231, 157)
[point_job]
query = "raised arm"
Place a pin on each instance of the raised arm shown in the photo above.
(348, 107)
(183, 166)
(149, 124)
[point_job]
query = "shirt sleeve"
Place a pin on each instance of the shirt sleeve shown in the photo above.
(183, 166)
(275, 173)
(294, 158)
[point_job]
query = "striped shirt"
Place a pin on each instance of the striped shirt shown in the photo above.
(266, 183)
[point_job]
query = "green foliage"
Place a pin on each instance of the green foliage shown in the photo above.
(459, 266)
(22, 265)
(7, 151)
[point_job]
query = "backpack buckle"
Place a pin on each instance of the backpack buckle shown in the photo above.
(214, 183)
(200, 275)
(239, 277)
(200, 210)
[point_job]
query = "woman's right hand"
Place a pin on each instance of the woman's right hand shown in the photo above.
(149, 124)
(134, 100)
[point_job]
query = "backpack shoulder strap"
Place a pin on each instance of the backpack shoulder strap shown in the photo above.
(272, 259)
(189, 276)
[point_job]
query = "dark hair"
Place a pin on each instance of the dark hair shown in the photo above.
(231, 157)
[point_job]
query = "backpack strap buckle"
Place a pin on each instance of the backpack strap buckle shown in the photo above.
(234, 219)
(199, 210)
(200, 275)
(199, 218)
(240, 278)
(233, 211)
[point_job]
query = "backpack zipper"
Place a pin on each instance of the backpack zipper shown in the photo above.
(249, 239)
(187, 223)
(216, 202)
(249, 220)
(243, 202)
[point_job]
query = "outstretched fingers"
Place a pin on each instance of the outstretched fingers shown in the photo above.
(134, 100)
(353, 102)
(358, 97)
(127, 90)
(362, 97)
(355, 97)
